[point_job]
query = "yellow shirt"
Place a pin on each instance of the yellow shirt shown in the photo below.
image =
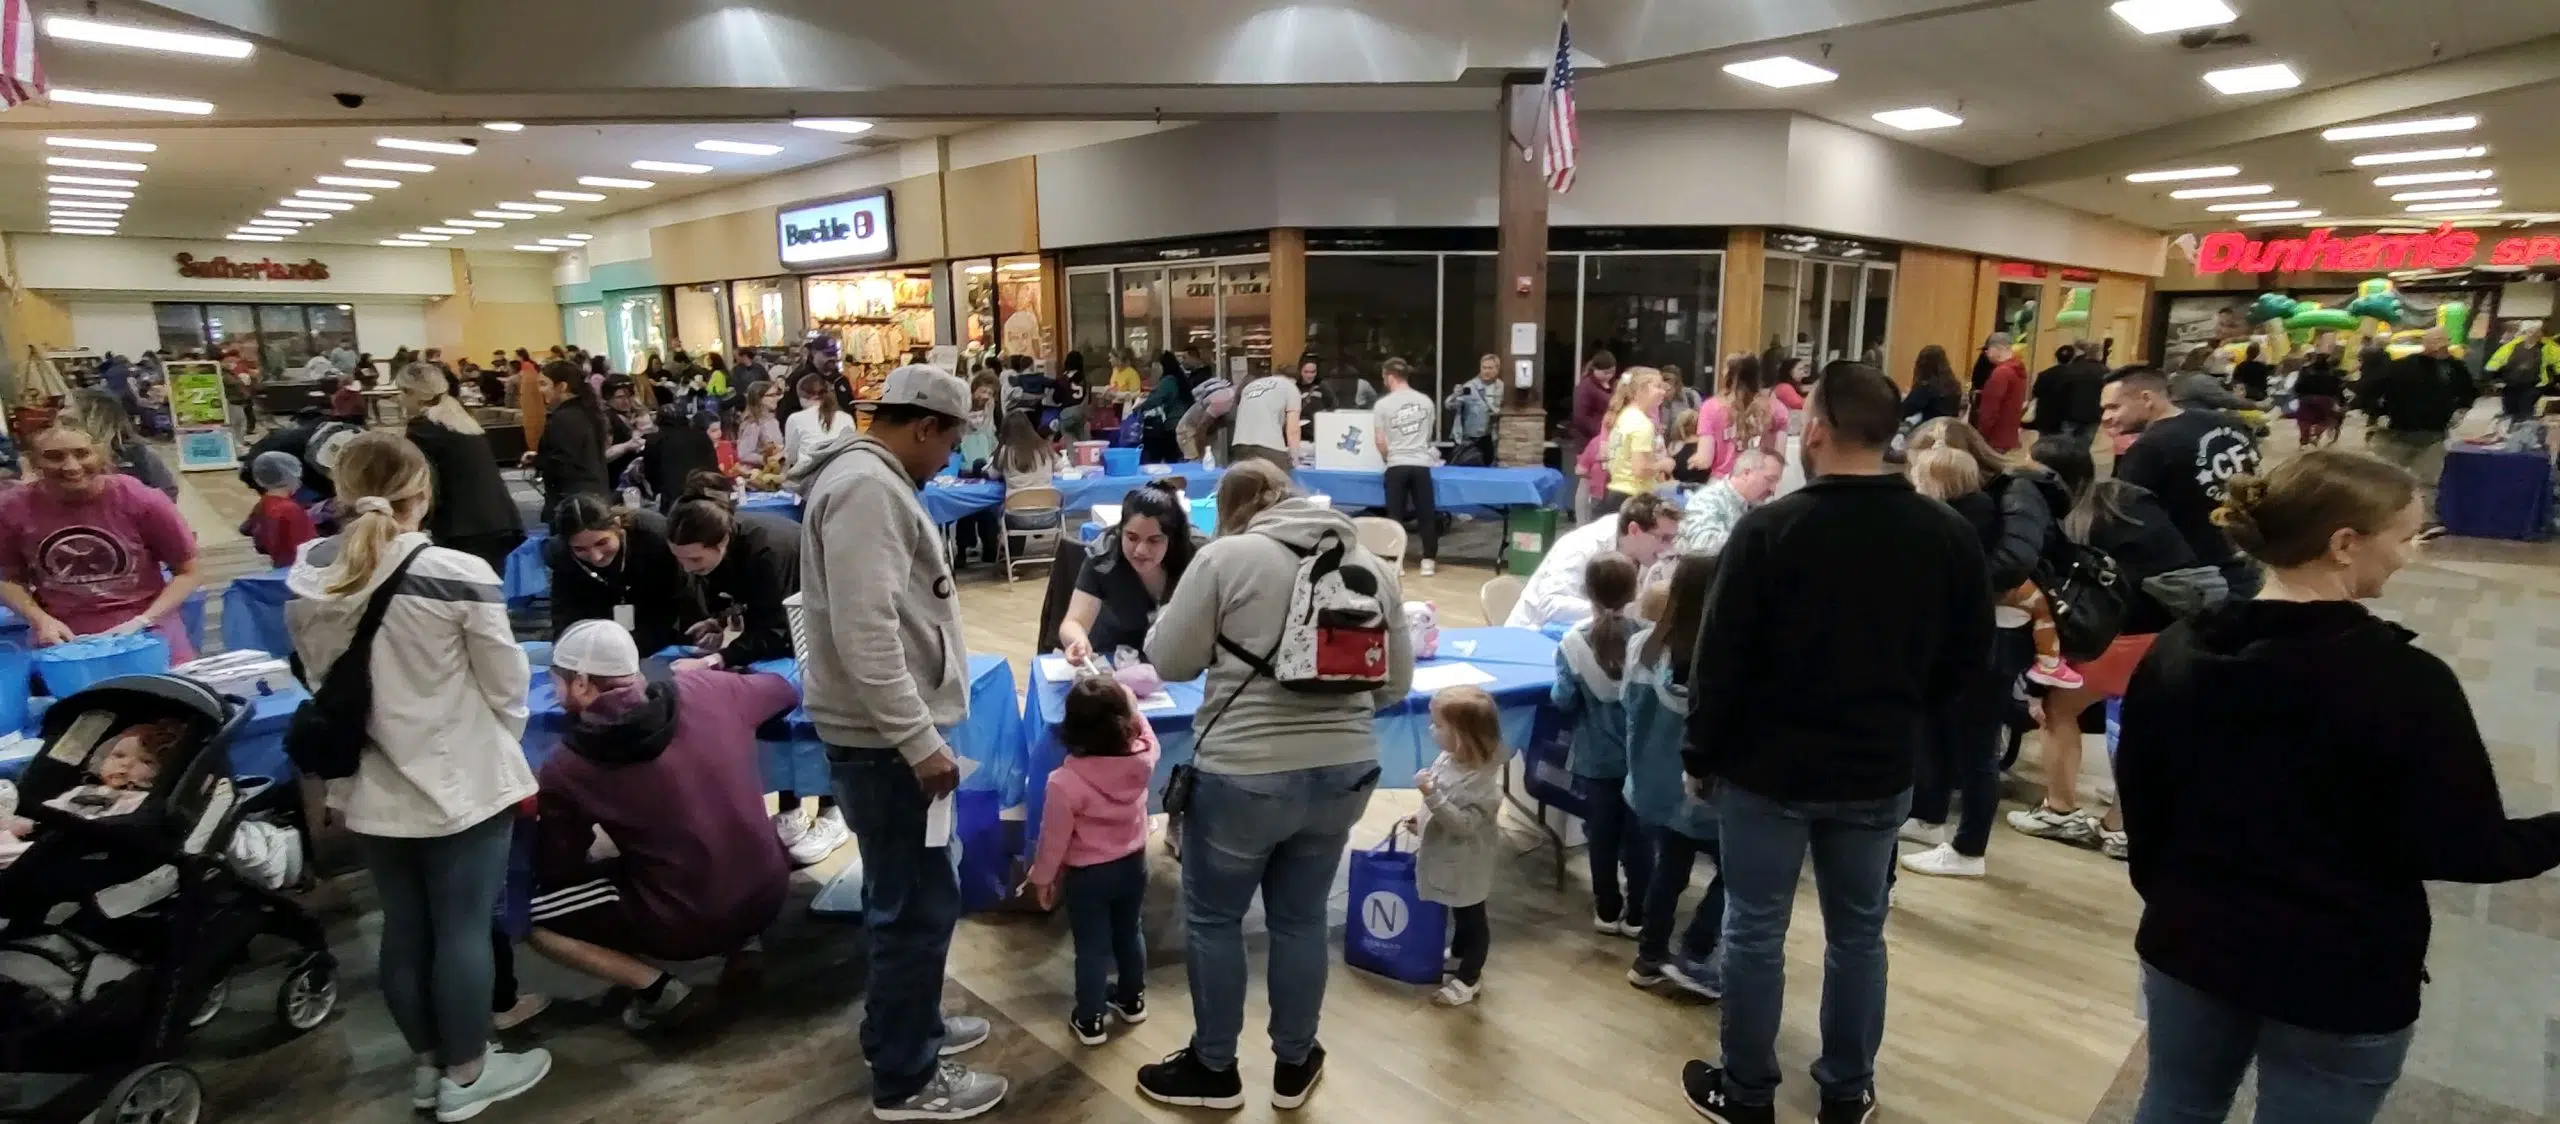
(1124, 380)
(1632, 447)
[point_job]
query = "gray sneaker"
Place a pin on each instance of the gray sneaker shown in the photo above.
(2076, 827)
(641, 1015)
(502, 1076)
(956, 1092)
(962, 1033)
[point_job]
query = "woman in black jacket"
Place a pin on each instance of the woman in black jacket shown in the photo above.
(610, 564)
(469, 508)
(2294, 770)
(675, 450)
(571, 460)
(743, 567)
(1935, 393)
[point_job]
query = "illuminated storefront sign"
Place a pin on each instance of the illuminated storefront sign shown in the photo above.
(837, 232)
(264, 269)
(2444, 247)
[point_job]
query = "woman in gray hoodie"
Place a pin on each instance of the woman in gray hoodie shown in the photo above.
(1281, 777)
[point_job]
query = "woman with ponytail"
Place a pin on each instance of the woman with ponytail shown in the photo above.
(571, 458)
(470, 509)
(432, 802)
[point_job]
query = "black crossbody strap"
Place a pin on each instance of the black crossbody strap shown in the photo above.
(361, 644)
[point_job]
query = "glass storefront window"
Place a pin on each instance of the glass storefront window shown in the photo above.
(1655, 310)
(1142, 311)
(763, 312)
(332, 326)
(1364, 309)
(181, 329)
(1876, 318)
(876, 319)
(1469, 327)
(1021, 327)
(637, 329)
(1089, 317)
(1783, 276)
(1244, 295)
(1840, 314)
(279, 336)
(699, 319)
(1194, 301)
(284, 336)
(2017, 311)
(1567, 342)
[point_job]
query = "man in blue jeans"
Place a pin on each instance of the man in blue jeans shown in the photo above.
(1868, 608)
(884, 671)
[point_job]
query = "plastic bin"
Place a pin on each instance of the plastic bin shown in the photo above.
(1120, 462)
(67, 668)
(15, 662)
(1527, 534)
(1087, 454)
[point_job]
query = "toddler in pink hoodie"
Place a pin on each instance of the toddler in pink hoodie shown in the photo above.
(1093, 839)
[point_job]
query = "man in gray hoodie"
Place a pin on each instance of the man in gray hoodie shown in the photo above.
(884, 674)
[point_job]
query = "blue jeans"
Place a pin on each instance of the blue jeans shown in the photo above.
(436, 967)
(1764, 847)
(1965, 750)
(1675, 856)
(1282, 834)
(1616, 842)
(910, 901)
(1103, 902)
(2201, 1047)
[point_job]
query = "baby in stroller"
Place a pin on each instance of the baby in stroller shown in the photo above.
(264, 851)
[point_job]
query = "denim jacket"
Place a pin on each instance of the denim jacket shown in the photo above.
(1470, 412)
(1593, 701)
(1657, 727)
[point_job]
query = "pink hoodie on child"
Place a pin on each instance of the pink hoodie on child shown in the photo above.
(1097, 809)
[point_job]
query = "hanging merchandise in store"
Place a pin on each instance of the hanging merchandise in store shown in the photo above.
(1003, 300)
(879, 320)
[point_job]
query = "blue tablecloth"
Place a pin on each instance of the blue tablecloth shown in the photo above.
(253, 613)
(527, 576)
(2492, 494)
(1455, 489)
(784, 504)
(13, 628)
(950, 500)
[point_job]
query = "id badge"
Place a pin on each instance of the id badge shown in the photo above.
(622, 616)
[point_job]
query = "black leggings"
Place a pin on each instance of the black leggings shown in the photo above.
(502, 953)
(1410, 501)
(1470, 936)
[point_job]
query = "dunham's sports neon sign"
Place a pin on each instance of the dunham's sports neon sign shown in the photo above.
(2444, 248)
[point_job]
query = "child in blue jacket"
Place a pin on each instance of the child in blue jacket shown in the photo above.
(1680, 826)
(1591, 668)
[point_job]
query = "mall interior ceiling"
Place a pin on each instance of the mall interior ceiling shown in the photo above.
(2170, 115)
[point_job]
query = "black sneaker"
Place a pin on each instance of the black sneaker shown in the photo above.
(1861, 1110)
(1180, 1079)
(1090, 1031)
(1704, 1085)
(1291, 1084)
(1132, 1012)
(1645, 973)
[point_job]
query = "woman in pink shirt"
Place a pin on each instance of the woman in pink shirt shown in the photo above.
(1093, 837)
(82, 549)
(1742, 415)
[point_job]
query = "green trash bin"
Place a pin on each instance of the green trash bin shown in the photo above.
(1527, 534)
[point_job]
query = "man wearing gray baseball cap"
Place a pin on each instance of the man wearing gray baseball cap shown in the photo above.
(884, 672)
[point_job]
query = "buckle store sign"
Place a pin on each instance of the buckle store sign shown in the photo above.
(837, 232)
(2322, 249)
(264, 269)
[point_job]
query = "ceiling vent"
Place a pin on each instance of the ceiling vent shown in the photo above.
(2215, 39)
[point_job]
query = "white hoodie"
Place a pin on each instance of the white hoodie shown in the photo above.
(448, 689)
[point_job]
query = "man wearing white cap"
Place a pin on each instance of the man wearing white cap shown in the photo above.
(885, 671)
(670, 772)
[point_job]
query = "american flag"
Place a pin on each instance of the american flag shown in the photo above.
(1563, 136)
(21, 76)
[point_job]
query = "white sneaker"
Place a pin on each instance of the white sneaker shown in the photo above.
(1924, 834)
(955, 1093)
(790, 824)
(1429, 567)
(1456, 993)
(1607, 926)
(1943, 861)
(826, 833)
(503, 1076)
(2076, 827)
(422, 1087)
(2115, 845)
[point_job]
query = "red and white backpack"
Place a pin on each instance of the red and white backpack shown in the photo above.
(1334, 641)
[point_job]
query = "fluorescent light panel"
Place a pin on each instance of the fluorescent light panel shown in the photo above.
(581, 239)
(255, 238)
(2444, 193)
(147, 39)
(2253, 79)
(2408, 179)
(502, 216)
(306, 216)
(2264, 205)
(83, 220)
(563, 243)
(2418, 127)
(614, 181)
(533, 208)
(2174, 175)
(844, 125)
(539, 249)
(89, 230)
(502, 126)
(1779, 72)
(571, 196)
(318, 205)
(448, 148)
(409, 242)
(2282, 216)
(2159, 17)
(349, 196)
(282, 224)
(428, 237)
(102, 145)
(90, 192)
(741, 148)
(2472, 205)
(473, 224)
(96, 165)
(449, 230)
(1918, 118)
(669, 166)
(388, 165)
(106, 100)
(86, 205)
(2420, 156)
(93, 181)
(356, 181)
(2222, 192)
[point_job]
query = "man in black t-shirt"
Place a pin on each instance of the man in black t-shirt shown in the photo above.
(2188, 459)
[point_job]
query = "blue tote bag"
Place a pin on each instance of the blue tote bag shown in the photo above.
(1392, 931)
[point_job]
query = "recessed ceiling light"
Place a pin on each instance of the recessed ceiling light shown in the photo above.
(2281, 216)
(102, 145)
(93, 181)
(318, 205)
(502, 126)
(2222, 192)
(98, 165)
(107, 100)
(356, 181)
(612, 181)
(75, 218)
(670, 166)
(270, 224)
(448, 148)
(473, 224)
(2420, 156)
(845, 125)
(86, 204)
(571, 196)
(91, 192)
(2402, 128)
(741, 148)
(348, 196)
(563, 243)
(307, 216)
(2406, 179)
(2157, 17)
(388, 165)
(407, 242)
(533, 208)
(1919, 118)
(144, 38)
(428, 237)
(444, 230)
(2173, 175)
(501, 216)
(91, 230)
(2253, 79)
(581, 238)
(531, 249)
(1780, 72)
(2472, 205)
(2261, 205)
(2443, 193)
(255, 238)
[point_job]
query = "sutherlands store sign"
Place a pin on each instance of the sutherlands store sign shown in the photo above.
(225, 269)
(2442, 248)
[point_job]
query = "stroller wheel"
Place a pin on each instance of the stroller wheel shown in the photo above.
(154, 1094)
(214, 998)
(309, 992)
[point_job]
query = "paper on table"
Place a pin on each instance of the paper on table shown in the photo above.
(1160, 700)
(938, 815)
(1463, 647)
(1442, 676)
(1056, 669)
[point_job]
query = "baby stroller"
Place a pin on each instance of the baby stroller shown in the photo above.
(122, 921)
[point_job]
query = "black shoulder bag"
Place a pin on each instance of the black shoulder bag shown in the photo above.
(326, 737)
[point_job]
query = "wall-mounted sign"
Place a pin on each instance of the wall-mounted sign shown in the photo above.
(264, 269)
(838, 232)
(2322, 249)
